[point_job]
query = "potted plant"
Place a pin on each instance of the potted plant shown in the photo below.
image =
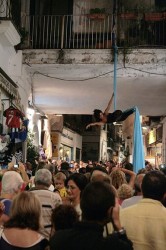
(97, 14)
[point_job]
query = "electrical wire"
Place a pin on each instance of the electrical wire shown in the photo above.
(73, 80)
(148, 72)
(100, 75)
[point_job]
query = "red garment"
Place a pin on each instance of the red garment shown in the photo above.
(13, 117)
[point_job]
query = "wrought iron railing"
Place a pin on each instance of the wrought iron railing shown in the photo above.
(91, 32)
(70, 32)
(141, 29)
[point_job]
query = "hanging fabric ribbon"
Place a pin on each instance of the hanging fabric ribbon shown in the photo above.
(138, 149)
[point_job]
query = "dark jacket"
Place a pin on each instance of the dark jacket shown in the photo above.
(88, 236)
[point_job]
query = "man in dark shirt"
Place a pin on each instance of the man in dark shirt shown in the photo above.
(98, 208)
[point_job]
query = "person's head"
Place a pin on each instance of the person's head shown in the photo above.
(12, 183)
(28, 165)
(110, 165)
(138, 183)
(76, 166)
(41, 165)
(96, 200)
(75, 184)
(154, 185)
(64, 216)
(82, 170)
(125, 191)
(43, 177)
(59, 180)
(98, 168)
(100, 174)
(65, 166)
(89, 168)
(129, 166)
(25, 212)
(50, 167)
(118, 178)
(97, 114)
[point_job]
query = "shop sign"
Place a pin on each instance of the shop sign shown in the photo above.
(67, 136)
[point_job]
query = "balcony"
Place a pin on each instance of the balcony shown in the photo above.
(90, 32)
(67, 32)
(85, 32)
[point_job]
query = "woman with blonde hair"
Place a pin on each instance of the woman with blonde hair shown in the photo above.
(118, 177)
(125, 191)
(21, 231)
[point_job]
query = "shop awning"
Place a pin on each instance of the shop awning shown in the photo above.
(8, 84)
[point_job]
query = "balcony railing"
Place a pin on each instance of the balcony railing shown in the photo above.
(67, 32)
(141, 29)
(86, 32)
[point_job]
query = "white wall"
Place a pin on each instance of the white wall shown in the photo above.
(11, 60)
(19, 75)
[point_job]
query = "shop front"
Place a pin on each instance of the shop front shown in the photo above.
(70, 146)
(154, 146)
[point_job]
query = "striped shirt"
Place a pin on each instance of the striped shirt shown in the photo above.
(49, 200)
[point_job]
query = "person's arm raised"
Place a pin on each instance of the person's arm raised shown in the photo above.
(109, 105)
(132, 176)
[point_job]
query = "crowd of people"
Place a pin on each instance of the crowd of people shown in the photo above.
(94, 205)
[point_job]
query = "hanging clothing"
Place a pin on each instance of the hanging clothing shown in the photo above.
(13, 117)
(19, 156)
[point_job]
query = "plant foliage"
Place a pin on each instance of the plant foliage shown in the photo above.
(32, 151)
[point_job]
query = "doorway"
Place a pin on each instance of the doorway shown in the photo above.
(50, 23)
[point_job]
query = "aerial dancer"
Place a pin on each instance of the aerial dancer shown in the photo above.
(105, 117)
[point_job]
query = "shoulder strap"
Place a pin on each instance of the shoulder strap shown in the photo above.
(1, 231)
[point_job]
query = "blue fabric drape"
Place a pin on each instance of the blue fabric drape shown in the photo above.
(138, 149)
